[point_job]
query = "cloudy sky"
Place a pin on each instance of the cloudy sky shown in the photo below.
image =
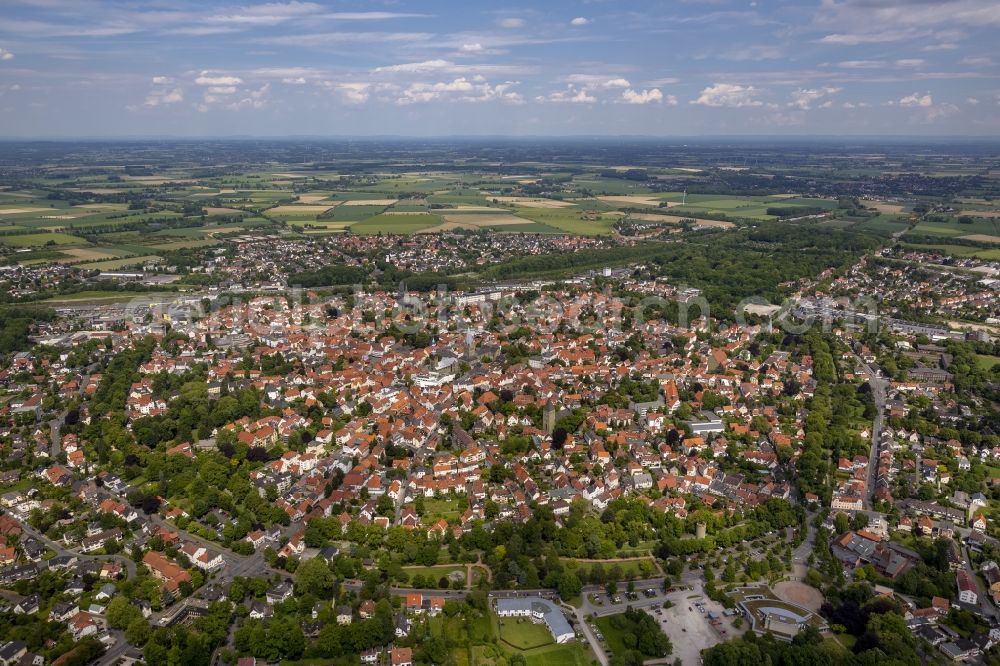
(552, 67)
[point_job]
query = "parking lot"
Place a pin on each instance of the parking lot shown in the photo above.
(689, 628)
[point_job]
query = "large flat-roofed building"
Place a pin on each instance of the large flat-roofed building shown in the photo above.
(539, 610)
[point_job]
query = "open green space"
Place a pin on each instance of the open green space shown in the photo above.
(570, 220)
(523, 634)
(114, 264)
(40, 240)
(952, 227)
(395, 224)
(987, 362)
(957, 250)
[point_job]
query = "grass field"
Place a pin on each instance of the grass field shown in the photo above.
(95, 296)
(572, 654)
(614, 638)
(957, 250)
(395, 224)
(40, 240)
(987, 362)
(570, 220)
(884, 224)
(522, 634)
(435, 571)
(629, 567)
(114, 264)
(954, 228)
(443, 507)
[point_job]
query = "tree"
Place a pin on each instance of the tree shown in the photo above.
(314, 576)
(138, 632)
(569, 585)
(841, 523)
(120, 613)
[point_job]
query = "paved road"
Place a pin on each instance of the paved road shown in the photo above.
(879, 387)
(62, 550)
(54, 426)
(588, 633)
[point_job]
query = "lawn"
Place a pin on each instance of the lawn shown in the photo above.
(627, 567)
(571, 654)
(522, 634)
(987, 362)
(436, 571)
(614, 638)
(443, 507)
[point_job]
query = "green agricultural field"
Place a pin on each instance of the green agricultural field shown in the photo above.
(454, 199)
(40, 240)
(980, 225)
(183, 244)
(609, 186)
(570, 220)
(115, 264)
(395, 224)
(883, 224)
(957, 250)
(350, 213)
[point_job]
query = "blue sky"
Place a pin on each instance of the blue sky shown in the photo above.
(706, 67)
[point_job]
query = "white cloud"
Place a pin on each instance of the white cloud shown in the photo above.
(271, 13)
(512, 23)
(369, 16)
(425, 92)
(880, 37)
(916, 99)
(643, 97)
(803, 98)
(253, 99)
(6, 55)
(221, 90)
(475, 47)
(323, 39)
(597, 81)
(728, 94)
(161, 80)
(977, 60)
(569, 96)
(971, 100)
(207, 80)
(861, 64)
(946, 46)
(580, 20)
(910, 62)
(294, 81)
(158, 98)
(356, 93)
(417, 67)
(461, 89)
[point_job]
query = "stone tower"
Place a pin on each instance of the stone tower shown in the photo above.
(549, 417)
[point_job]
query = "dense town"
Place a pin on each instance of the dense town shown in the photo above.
(307, 475)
